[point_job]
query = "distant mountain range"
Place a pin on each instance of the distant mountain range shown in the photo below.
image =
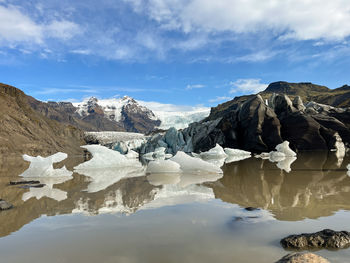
(28, 125)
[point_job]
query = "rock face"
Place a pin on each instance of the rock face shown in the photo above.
(324, 239)
(25, 130)
(251, 124)
(302, 258)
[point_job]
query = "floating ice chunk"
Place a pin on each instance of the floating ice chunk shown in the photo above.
(148, 156)
(107, 167)
(233, 158)
(263, 156)
(191, 164)
(168, 156)
(340, 149)
(286, 163)
(157, 179)
(216, 161)
(132, 154)
(236, 152)
(163, 166)
(43, 166)
(103, 157)
(276, 156)
(160, 150)
(284, 148)
(217, 152)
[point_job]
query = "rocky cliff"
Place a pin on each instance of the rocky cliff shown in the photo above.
(254, 124)
(25, 130)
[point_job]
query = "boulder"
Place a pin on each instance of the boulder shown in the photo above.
(323, 239)
(302, 258)
(5, 205)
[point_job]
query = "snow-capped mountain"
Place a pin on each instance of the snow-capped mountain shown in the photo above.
(140, 116)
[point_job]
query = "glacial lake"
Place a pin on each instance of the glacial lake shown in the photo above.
(128, 217)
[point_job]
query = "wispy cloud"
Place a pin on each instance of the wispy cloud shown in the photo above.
(194, 86)
(247, 85)
(48, 91)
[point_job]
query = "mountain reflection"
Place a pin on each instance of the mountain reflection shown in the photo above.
(316, 186)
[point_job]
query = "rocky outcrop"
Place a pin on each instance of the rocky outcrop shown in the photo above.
(5, 205)
(24, 130)
(302, 258)
(252, 124)
(323, 239)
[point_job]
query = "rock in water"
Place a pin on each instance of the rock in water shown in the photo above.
(302, 258)
(323, 239)
(5, 205)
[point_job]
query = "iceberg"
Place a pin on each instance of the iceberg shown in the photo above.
(132, 154)
(233, 158)
(190, 164)
(236, 152)
(215, 153)
(284, 148)
(41, 169)
(163, 166)
(286, 163)
(107, 167)
(43, 166)
(276, 156)
(103, 157)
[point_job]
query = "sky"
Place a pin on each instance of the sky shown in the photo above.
(184, 52)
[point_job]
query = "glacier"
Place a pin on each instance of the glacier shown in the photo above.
(170, 115)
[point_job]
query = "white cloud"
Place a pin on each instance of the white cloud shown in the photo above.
(19, 28)
(297, 19)
(195, 86)
(222, 98)
(81, 51)
(247, 85)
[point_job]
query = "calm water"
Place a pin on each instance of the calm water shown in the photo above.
(127, 217)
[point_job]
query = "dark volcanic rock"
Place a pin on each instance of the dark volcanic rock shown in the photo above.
(5, 205)
(302, 258)
(24, 182)
(258, 127)
(323, 239)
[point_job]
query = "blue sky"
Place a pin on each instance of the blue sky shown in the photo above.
(190, 52)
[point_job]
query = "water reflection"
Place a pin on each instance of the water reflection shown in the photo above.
(314, 187)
